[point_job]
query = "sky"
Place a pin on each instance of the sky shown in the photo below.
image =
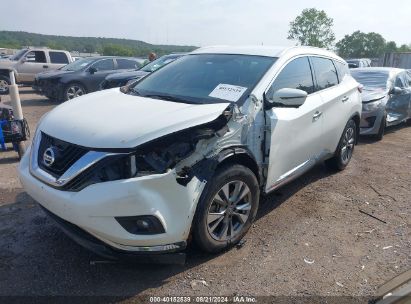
(202, 22)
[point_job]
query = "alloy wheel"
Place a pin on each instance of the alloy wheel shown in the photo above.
(74, 91)
(4, 86)
(229, 211)
(347, 145)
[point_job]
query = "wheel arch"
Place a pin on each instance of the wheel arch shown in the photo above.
(241, 156)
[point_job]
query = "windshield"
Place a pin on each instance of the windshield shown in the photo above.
(371, 79)
(156, 64)
(78, 64)
(205, 78)
(18, 55)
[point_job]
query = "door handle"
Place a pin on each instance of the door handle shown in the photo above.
(45, 66)
(317, 115)
(345, 98)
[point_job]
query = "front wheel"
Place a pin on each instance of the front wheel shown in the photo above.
(73, 90)
(226, 209)
(345, 148)
(4, 85)
(381, 130)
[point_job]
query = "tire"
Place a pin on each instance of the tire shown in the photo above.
(4, 83)
(345, 149)
(212, 231)
(381, 130)
(73, 90)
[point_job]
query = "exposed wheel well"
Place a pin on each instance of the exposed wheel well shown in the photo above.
(241, 158)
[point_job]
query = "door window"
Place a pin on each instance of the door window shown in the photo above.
(295, 75)
(399, 81)
(36, 56)
(127, 64)
(104, 65)
(342, 70)
(58, 57)
(325, 73)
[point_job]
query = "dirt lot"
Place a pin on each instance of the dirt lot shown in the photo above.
(309, 238)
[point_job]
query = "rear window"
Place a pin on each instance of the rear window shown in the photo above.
(58, 57)
(371, 79)
(325, 73)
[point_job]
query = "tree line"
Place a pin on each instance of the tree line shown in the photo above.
(314, 28)
(104, 46)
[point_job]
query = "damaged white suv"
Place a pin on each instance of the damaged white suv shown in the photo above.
(188, 150)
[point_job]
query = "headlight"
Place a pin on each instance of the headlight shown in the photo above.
(154, 157)
(372, 106)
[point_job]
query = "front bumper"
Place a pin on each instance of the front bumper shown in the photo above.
(371, 121)
(94, 208)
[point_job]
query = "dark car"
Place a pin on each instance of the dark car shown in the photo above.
(120, 79)
(386, 97)
(82, 76)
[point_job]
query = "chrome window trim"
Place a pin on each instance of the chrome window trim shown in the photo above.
(82, 164)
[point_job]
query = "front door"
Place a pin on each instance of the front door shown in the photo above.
(32, 63)
(102, 69)
(295, 140)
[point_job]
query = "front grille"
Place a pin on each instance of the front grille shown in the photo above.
(66, 154)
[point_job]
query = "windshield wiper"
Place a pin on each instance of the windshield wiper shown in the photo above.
(168, 98)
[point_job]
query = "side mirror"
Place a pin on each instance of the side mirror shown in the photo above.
(23, 60)
(289, 97)
(396, 91)
(92, 70)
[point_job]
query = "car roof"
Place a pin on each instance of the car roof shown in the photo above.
(268, 51)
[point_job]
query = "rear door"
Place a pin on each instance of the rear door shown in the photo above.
(32, 63)
(336, 100)
(57, 60)
(296, 133)
(103, 67)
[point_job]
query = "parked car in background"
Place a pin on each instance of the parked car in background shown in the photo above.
(187, 150)
(359, 63)
(81, 77)
(386, 98)
(120, 79)
(26, 63)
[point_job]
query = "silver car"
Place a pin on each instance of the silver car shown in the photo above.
(386, 98)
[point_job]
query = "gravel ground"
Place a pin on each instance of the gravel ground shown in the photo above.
(309, 239)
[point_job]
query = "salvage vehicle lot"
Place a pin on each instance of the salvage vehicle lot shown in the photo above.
(309, 237)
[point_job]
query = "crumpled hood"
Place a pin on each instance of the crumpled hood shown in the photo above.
(127, 75)
(368, 94)
(52, 74)
(111, 119)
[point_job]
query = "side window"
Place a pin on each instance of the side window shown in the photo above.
(295, 75)
(325, 73)
(127, 64)
(36, 56)
(58, 57)
(399, 81)
(104, 65)
(342, 70)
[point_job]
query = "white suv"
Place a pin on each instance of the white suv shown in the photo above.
(189, 149)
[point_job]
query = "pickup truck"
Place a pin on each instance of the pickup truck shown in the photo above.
(27, 62)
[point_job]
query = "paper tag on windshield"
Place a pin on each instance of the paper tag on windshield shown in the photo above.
(228, 92)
